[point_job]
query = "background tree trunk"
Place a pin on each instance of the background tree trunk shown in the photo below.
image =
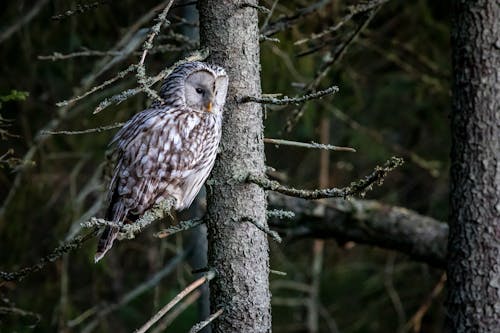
(238, 251)
(474, 249)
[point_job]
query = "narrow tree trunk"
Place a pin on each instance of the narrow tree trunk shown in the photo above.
(238, 251)
(474, 240)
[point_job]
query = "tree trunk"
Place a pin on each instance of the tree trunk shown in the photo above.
(474, 240)
(238, 251)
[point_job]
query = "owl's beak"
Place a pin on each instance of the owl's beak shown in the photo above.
(209, 106)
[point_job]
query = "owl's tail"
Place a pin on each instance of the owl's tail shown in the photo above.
(105, 242)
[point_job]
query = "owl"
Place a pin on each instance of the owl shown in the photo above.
(167, 150)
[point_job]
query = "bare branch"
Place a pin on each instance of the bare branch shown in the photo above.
(273, 234)
(366, 222)
(201, 325)
(102, 312)
(21, 22)
(182, 226)
(353, 11)
(207, 277)
(290, 100)
(106, 83)
(142, 79)
(79, 9)
(356, 188)
(312, 145)
(195, 56)
(326, 67)
(59, 251)
(289, 21)
(90, 130)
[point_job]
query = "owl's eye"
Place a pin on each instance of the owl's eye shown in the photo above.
(199, 91)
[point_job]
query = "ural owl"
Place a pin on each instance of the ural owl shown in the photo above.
(169, 149)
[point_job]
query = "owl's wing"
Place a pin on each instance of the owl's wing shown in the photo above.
(158, 150)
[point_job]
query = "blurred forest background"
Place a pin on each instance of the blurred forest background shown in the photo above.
(393, 75)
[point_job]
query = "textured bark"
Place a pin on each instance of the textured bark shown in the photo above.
(365, 222)
(474, 243)
(238, 251)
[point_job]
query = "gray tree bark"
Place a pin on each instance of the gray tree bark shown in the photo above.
(474, 242)
(238, 251)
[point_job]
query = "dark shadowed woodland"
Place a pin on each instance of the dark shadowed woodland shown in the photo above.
(357, 187)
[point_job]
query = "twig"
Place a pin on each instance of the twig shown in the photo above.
(280, 214)
(90, 130)
(195, 56)
(356, 188)
(201, 325)
(432, 167)
(290, 100)
(325, 68)
(142, 79)
(118, 76)
(182, 226)
(20, 312)
(20, 22)
(289, 21)
(257, 7)
(207, 277)
(312, 145)
(353, 11)
(102, 312)
(416, 319)
(59, 251)
(273, 234)
(273, 271)
(129, 42)
(169, 318)
(79, 9)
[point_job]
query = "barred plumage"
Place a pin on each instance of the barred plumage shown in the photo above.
(169, 149)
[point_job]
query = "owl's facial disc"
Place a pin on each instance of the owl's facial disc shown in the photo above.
(199, 91)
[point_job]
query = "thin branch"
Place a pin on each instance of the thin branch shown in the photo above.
(58, 252)
(118, 98)
(102, 312)
(128, 231)
(90, 130)
(21, 22)
(182, 226)
(290, 100)
(201, 325)
(416, 320)
(176, 312)
(289, 21)
(312, 145)
(118, 76)
(432, 167)
(356, 188)
(79, 9)
(20, 312)
(142, 79)
(325, 69)
(273, 234)
(207, 277)
(261, 9)
(280, 214)
(353, 11)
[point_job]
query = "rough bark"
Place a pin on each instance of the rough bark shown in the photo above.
(238, 251)
(473, 302)
(366, 222)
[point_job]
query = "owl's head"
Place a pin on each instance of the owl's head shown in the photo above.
(198, 86)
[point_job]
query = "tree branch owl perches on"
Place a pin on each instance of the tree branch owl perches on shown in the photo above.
(167, 150)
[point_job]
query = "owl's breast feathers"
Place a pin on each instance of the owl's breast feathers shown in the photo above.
(162, 153)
